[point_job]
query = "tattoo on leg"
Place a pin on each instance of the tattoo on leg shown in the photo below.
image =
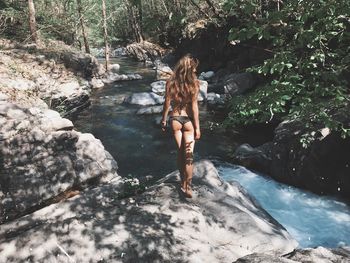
(189, 158)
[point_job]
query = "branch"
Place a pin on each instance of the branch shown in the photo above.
(199, 8)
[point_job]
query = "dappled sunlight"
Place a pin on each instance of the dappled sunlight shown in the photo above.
(156, 226)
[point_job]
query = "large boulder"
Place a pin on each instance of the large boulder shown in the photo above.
(206, 75)
(158, 87)
(145, 99)
(119, 52)
(216, 99)
(68, 98)
(41, 156)
(145, 51)
(163, 72)
(322, 166)
(203, 90)
(83, 64)
(221, 223)
(238, 83)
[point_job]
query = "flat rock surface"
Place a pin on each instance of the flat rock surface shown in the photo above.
(221, 223)
(41, 156)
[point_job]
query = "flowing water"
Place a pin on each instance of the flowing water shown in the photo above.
(142, 149)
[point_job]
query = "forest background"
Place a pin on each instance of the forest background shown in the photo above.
(304, 74)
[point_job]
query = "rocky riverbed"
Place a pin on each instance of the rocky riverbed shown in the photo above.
(43, 160)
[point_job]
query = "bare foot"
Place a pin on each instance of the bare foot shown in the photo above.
(188, 192)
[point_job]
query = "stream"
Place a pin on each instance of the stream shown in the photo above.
(142, 149)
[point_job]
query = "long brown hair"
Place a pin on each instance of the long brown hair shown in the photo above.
(183, 83)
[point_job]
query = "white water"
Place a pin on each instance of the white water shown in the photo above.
(311, 219)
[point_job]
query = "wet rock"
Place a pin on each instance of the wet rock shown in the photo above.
(206, 75)
(114, 68)
(319, 254)
(215, 99)
(145, 98)
(221, 223)
(203, 90)
(113, 77)
(150, 110)
(252, 158)
(322, 166)
(158, 87)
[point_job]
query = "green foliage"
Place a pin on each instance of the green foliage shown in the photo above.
(310, 54)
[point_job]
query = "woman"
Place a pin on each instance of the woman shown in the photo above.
(181, 93)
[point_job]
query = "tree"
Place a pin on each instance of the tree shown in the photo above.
(105, 33)
(32, 21)
(306, 73)
(135, 16)
(81, 20)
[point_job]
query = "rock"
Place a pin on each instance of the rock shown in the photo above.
(145, 98)
(238, 83)
(68, 89)
(319, 254)
(3, 97)
(12, 111)
(163, 72)
(119, 52)
(114, 68)
(322, 167)
(220, 224)
(252, 158)
(206, 75)
(68, 106)
(113, 77)
(150, 110)
(96, 83)
(85, 64)
(216, 88)
(158, 87)
(216, 99)
(41, 157)
(145, 51)
(18, 83)
(203, 89)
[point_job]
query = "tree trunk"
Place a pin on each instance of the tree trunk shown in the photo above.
(135, 12)
(105, 33)
(81, 20)
(32, 21)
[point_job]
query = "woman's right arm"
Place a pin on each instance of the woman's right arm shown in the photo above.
(195, 110)
(166, 106)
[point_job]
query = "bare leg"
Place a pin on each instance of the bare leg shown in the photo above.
(177, 130)
(180, 163)
(188, 138)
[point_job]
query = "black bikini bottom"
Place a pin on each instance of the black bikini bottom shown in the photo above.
(181, 119)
